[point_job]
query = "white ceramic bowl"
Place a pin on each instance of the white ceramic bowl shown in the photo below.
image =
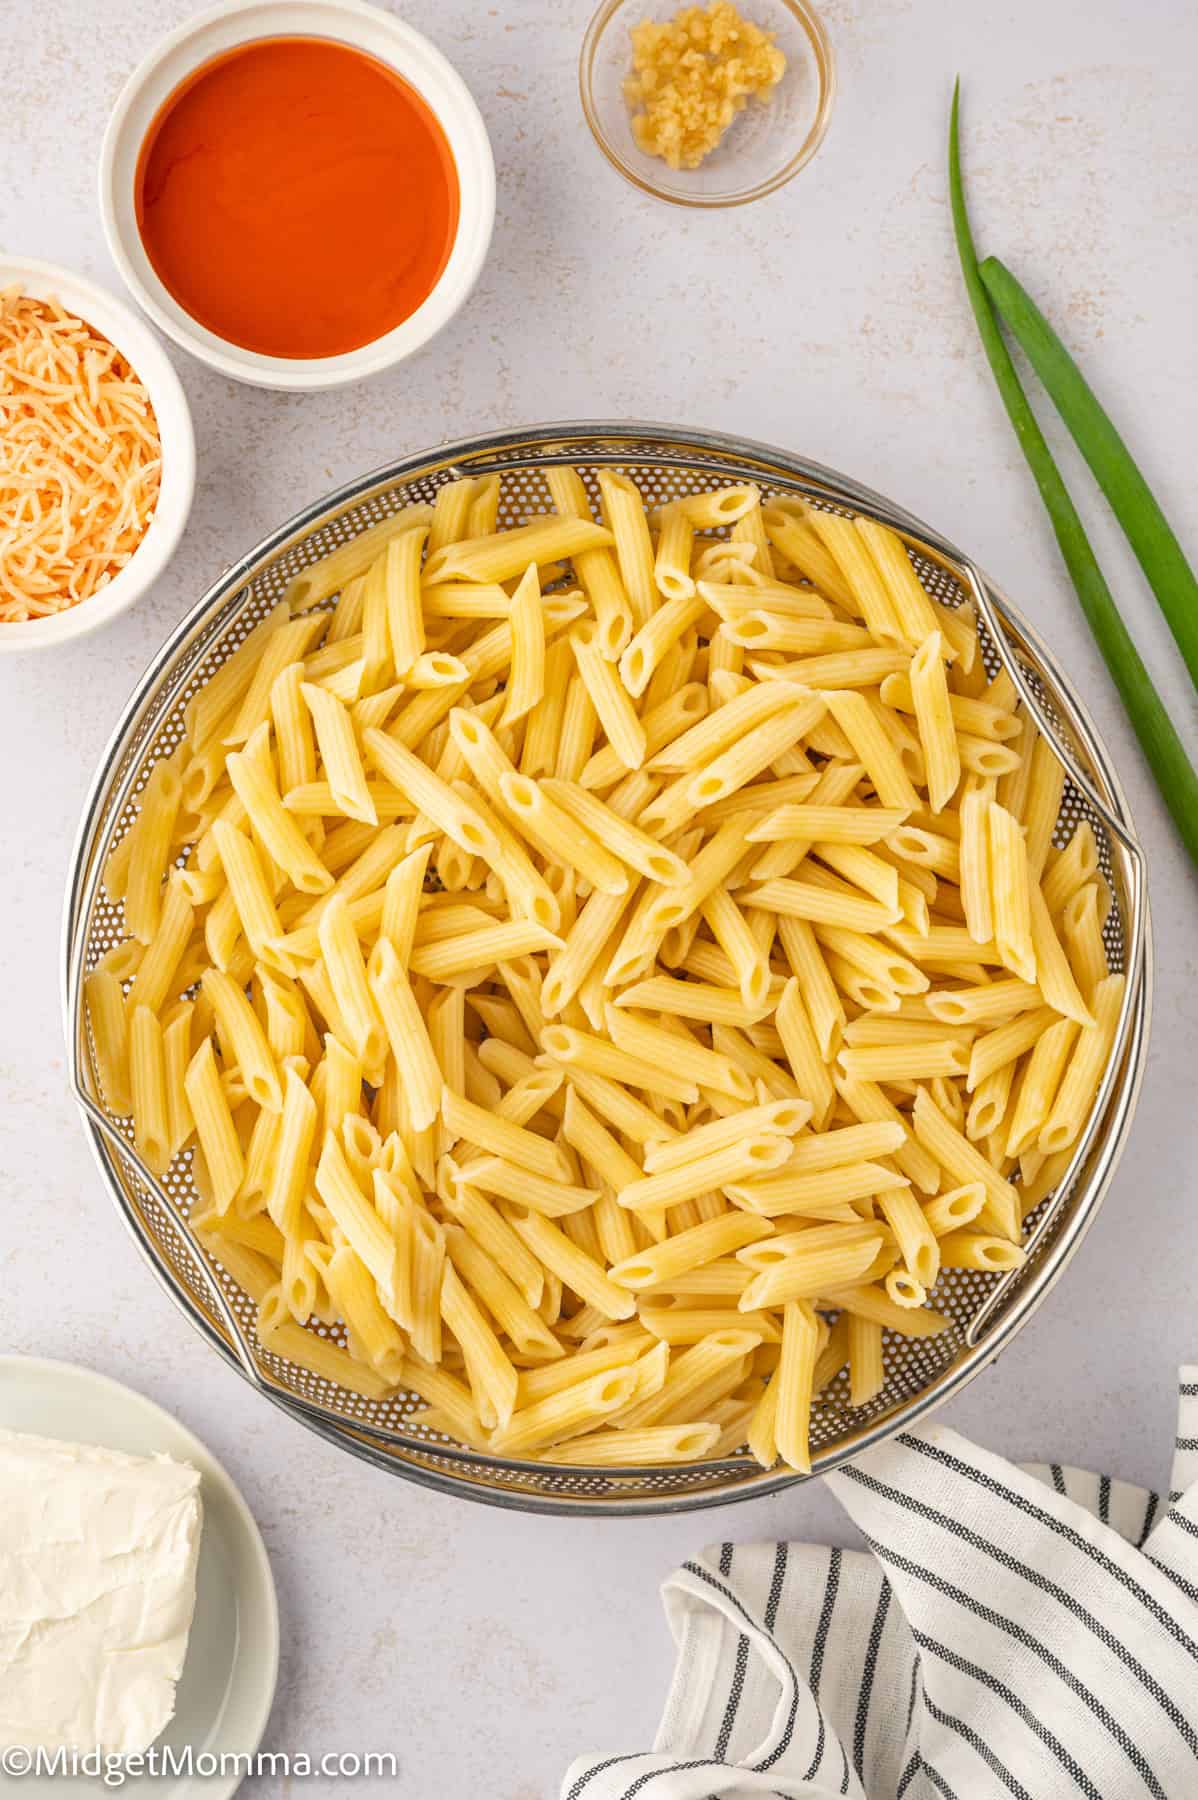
(137, 343)
(376, 33)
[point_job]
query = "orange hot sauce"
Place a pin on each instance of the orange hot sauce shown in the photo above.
(297, 197)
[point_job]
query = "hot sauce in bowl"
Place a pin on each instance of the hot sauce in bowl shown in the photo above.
(297, 197)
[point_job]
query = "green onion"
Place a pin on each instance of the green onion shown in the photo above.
(1159, 741)
(1132, 501)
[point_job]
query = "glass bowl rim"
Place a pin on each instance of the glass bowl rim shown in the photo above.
(810, 23)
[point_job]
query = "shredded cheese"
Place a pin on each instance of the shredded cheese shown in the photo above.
(80, 459)
(692, 75)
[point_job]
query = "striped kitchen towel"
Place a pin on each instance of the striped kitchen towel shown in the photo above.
(1017, 1631)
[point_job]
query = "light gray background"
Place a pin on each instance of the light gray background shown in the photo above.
(489, 1649)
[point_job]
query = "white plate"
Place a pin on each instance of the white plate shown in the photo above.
(228, 1681)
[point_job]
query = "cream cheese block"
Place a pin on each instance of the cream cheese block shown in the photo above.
(98, 1555)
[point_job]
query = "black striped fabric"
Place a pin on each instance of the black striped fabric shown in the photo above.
(1027, 1632)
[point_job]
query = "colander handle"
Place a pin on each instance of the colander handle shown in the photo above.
(992, 620)
(220, 1299)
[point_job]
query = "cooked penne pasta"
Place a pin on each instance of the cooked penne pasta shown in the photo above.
(615, 951)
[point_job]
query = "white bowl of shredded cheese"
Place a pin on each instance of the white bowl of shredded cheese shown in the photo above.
(97, 456)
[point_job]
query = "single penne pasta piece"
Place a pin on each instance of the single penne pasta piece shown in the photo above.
(1070, 868)
(874, 1304)
(449, 809)
(293, 729)
(866, 1370)
(788, 634)
(582, 948)
(657, 1444)
(803, 1052)
(974, 1250)
(158, 969)
(755, 751)
(659, 633)
(725, 1167)
(795, 1192)
(502, 555)
(150, 850)
(1084, 1071)
(176, 1055)
(845, 1144)
(822, 905)
(214, 1127)
(110, 1037)
(955, 1209)
(570, 1047)
(810, 1273)
(401, 595)
(274, 826)
(675, 543)
(1081, 926)
(795, 1381)
(346, 970)
(826, 824)
(910, 606)
(549, 1196)
(331, 573)
(954, 1153)
(612, 704)
(1010, 893)
(501, 1138)
(354, 1214)
(250, 891)
(1038, 1084)
(934, 718)
(913, 1235)
(147, 1081)
(690, 1000)
(559, 836)
(1042, 805)
(353, 1291)
(865, 592)
(407, 1033)
(550, 1245)
(823, 1004)
(1053, 973)
(987, 1004)
(526, 681)
(773, 1117)
(686, 1060)
(480, 949)
(626, 841)
(1005, 1043)
(904, 1062)
(565, 1413)
(278, 1333)
(243, 1041)
(492, 1378)
(624, 514)
(720, 506)
(709, 1363)
(657, 1265)
(871, 745)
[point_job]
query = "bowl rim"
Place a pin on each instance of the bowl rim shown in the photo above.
(376, 33)
(146, 356)
(571, 439)
(810, 22)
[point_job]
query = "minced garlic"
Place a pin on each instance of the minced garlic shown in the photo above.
(692, 75)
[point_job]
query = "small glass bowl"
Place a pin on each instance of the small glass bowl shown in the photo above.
(766, 143)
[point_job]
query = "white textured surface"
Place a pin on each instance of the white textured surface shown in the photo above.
(487, 1649)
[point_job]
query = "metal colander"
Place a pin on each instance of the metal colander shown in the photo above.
(985, 1310)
